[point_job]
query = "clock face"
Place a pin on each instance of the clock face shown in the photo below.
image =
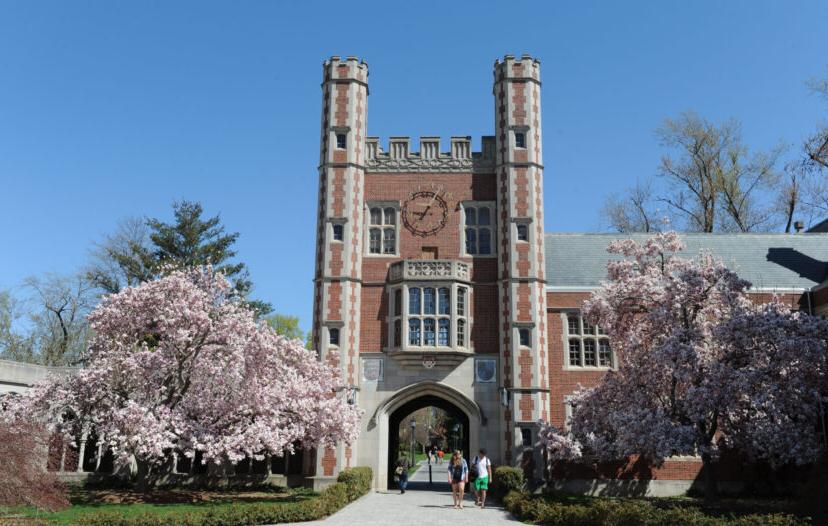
(425, 212)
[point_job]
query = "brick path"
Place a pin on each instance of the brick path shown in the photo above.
(418, 507)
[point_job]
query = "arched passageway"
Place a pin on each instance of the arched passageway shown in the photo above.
(458, 435)
(390, 414)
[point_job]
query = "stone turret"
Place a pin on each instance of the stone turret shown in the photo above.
(519, 172)
(338, 275)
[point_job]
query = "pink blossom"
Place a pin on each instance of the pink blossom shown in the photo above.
(699, 365)
(177, 363)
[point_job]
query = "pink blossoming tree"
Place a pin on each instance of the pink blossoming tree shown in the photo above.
(699, 366)
(178, 364)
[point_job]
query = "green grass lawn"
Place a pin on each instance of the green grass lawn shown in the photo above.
(85, 503)
(417, 458)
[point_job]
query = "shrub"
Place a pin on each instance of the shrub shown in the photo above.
(606, 512)
(507, 479)
(23, 481)
(814, 494)
(351, 484)
(358, 480)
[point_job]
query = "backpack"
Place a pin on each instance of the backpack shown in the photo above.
(457, 471)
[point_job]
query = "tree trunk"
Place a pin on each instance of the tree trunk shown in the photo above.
(711, 491)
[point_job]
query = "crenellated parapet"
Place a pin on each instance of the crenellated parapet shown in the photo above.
(337, 69)
(528, 68)
(399, 156)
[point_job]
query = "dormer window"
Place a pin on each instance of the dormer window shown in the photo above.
(520, 140)
(341, 141)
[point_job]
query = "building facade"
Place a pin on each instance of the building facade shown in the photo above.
(435, 283)
(430, 268)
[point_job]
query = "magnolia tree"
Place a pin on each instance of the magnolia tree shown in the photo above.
(700, 367)
(178, 364)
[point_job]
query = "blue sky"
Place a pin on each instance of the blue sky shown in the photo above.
(115, 109)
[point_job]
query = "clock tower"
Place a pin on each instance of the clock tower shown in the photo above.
(429, 272)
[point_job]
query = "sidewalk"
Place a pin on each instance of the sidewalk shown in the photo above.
(419, 506)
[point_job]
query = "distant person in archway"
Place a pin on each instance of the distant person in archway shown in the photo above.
(483, 468)
(401, 473)
(458, 473)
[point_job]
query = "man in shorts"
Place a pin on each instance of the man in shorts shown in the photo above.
(483, 467)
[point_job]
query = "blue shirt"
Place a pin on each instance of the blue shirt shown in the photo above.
(464, 467)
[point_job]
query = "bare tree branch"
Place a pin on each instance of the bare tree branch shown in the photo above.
(634, 211)
(716, 183)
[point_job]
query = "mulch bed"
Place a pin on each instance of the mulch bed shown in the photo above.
(174, 496)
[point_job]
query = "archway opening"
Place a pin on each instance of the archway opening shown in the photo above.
(437, 423)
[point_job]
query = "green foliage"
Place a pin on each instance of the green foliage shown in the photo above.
(351, 484)
(357, 480)
(629, 512)
(189, 241)
(287, 326)
(506, 479)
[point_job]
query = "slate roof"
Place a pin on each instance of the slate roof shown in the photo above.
(769, 261)
(820, 227)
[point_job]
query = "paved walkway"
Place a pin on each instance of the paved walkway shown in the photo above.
(419, 506)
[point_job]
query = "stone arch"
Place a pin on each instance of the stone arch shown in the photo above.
(427, 390)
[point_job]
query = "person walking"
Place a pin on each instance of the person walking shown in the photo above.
(483, 467)
(401, 473)
(458, 475)
(440, 455)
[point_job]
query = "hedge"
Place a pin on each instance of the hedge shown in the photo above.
(611, 512)
(505, 480)
(351, 484)
(357, 480)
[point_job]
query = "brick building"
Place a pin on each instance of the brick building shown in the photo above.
(435, 283)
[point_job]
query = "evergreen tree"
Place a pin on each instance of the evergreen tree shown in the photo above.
(189, 241)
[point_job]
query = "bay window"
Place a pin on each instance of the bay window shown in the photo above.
(428, 315)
